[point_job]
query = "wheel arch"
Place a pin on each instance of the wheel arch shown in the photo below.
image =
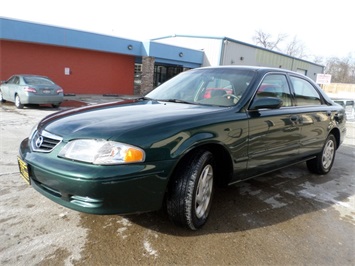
(2, 96)
(15, 94)
(336, 133)
(223, 162)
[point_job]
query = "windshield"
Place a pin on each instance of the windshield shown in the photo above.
(212, 86)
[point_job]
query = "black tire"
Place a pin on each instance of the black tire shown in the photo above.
(322, 164)
(18, 103)
(56, 105)
(191, 191)
(1, 98)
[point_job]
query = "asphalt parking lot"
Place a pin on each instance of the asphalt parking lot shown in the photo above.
(290, 217)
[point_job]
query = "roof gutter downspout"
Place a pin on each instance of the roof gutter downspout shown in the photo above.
(224, 41)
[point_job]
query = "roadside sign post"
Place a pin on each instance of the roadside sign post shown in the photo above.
(323, 78)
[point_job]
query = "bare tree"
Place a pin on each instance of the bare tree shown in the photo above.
(264, 39)
(296, 48)
(341, 69)
(318, 59)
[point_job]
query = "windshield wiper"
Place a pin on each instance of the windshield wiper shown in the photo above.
(176, 101)
(138, 98)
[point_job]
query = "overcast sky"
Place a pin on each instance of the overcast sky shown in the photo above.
(326, 28)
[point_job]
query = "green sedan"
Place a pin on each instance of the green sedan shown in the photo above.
(204, 128)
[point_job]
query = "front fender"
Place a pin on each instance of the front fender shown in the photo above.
(192, 142)
(174, 146)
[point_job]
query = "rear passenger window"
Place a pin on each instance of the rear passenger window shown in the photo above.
(305, 93)
(17, 80)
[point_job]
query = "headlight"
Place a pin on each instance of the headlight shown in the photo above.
(101, 152)
(33, 131)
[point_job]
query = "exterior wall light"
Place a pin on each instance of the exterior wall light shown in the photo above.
(181, 54)
(241, 58)
(130, 47)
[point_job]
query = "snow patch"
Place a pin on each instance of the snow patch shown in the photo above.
(274, 202)
(149, 249)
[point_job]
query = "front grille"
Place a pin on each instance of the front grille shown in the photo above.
(44, 141)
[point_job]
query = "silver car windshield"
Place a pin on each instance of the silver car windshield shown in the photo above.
(220, 87)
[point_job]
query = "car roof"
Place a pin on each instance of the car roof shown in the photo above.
(256, 68)
(30, 75)
(261, 69)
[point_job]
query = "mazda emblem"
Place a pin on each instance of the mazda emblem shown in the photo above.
(39, 141)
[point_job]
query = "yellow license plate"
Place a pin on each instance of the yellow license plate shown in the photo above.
(24, 170)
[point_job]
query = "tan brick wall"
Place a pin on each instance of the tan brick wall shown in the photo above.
(339, 88)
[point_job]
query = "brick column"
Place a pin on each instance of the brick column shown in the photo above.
(147, 74)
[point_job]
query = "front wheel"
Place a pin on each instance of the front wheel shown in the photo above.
(191, 190)
(324, 161)
(18, 103)
(1, 98)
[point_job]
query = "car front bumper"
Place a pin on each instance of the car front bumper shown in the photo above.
(118, 189)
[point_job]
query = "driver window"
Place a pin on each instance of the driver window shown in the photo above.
(275, 85)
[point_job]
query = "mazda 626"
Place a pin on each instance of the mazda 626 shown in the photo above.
(204, 128)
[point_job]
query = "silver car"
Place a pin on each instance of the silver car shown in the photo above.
(31, 89)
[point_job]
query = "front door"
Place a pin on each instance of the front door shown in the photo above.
(274, 134)
(8, 87)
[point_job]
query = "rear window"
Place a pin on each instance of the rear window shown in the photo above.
(38, 81)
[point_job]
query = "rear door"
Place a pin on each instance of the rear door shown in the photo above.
(315, 114)
(274, 134)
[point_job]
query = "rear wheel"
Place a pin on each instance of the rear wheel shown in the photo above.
(191, 190)
(324, 161)
(56, 105)
(18, 103)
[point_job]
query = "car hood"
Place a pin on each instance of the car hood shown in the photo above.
(128, 121)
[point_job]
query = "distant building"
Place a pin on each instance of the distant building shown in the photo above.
(225, 51)
(89, 63)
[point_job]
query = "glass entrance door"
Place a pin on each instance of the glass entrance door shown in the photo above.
(163, 73)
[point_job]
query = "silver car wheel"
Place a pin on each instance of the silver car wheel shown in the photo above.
(191, 190)
(204, 191)
(18, 103)
(328, 154)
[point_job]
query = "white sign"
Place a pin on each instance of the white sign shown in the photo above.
(323, 78)
(66, 71)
